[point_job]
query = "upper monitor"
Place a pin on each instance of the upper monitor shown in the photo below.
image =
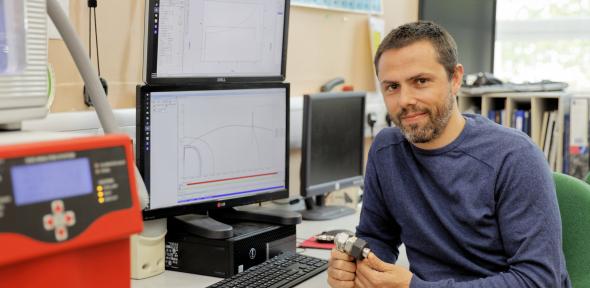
(191, 41)
(208, 147)
(472, 26)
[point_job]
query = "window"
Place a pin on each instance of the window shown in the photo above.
(543, 40)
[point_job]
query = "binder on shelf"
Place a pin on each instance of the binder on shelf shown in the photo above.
(519, 119)
(553, 155)
(527, 122)
(549, 135)
(544, 126)
(578, 159)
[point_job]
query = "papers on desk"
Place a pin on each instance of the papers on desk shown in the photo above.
(513, 87)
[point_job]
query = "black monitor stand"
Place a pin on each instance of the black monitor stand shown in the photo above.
(319, 211)
(211, 225)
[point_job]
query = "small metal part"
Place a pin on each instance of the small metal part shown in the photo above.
(352, 245)
(324, 238)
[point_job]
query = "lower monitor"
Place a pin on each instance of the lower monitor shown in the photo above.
(205, 149)
(332, 150)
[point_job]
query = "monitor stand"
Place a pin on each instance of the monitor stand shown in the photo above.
(209, 226)
(202, 225)
(258, 214)
(319, 211)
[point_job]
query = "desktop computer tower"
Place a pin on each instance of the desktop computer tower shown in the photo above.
(252, 244)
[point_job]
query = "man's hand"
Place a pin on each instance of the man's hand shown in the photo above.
(341, 269)
(372, 272)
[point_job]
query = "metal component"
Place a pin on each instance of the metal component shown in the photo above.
(352, 245)
(325, 238)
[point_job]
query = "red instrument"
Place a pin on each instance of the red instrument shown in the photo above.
(67, 210)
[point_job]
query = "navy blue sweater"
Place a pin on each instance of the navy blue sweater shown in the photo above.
(479, 212)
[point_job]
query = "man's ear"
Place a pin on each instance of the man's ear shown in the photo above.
(457, 78)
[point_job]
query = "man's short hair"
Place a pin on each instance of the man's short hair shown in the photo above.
(407, 34)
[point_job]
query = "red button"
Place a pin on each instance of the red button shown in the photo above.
(57, 208)
(60, 231)
(70, 218)
(50, 221)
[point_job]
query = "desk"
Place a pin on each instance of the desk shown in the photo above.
(304, 230)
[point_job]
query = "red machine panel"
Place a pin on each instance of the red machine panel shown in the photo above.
(67, 210)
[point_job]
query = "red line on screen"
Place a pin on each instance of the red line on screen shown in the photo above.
(233, 178)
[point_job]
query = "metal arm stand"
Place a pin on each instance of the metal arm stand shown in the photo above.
(151, 240)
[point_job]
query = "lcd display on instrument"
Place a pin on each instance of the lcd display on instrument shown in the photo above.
(34, 183)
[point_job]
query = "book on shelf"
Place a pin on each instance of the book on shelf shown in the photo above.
(527, 122)
(549, 135)
(544, 124)
(554, 156)
(519, 120)
(497, 116)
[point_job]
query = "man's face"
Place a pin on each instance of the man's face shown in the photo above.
(417, 91)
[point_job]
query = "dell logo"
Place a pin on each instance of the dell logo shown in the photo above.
(252, 253)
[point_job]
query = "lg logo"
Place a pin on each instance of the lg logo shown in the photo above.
(252, 253)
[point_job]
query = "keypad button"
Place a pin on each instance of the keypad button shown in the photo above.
(57, 206)
(48, 222)
(70, 218)
(61, 234)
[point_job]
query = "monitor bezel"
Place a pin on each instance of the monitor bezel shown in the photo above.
(150, 58)
(421, 16)
(320, 189)
(143, 164)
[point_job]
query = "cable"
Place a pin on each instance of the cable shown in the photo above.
(371, 120)
(89, 32)
(91, 80)
(92, 4)
(96, 42)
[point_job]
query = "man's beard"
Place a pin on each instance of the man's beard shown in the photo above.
(437, 121)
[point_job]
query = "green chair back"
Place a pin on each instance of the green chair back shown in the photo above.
(573, 196)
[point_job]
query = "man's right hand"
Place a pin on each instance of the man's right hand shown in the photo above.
(341, 270)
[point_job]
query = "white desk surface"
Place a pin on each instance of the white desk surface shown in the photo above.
(304, 230)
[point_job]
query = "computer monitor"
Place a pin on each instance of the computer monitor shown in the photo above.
(206, 148)
(473, 26)
(332, 149)
(215, 41)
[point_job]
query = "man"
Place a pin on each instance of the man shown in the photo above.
(473, 202)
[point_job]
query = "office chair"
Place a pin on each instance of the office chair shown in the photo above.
(573, 196)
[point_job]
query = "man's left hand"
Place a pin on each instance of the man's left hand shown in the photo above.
(372, 272)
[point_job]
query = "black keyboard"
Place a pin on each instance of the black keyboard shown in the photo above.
(286, 270)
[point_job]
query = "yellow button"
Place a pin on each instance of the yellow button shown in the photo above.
(101, 200)
(99, 188)
(100, 194)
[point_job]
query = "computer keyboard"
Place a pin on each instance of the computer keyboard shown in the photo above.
(285, 270)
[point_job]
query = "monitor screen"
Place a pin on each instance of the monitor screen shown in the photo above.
(215, 41)
(208, 147)
(332, 148)
(472, 24)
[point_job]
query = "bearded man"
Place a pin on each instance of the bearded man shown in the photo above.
(473, 202)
